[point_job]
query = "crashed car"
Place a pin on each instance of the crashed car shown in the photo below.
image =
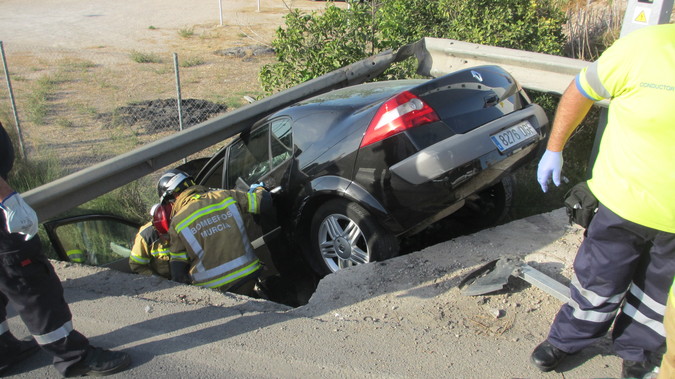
(356, 169)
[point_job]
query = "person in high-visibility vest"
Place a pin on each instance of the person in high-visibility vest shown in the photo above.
(667, 369)
(209, 244)
(626, 262)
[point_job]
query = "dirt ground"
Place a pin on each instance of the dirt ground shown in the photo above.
(512, 322)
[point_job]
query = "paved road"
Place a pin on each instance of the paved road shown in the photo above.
(400, 318)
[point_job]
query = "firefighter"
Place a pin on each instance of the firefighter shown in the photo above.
(209, 244)
(150, 253)
(28, 279)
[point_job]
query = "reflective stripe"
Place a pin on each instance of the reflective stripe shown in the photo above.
(75, 255)
(160, 252)
(4, 327)
(252, 203)
(196, 247)
(636, 315)
(592, 316)
(55, 335)
(594, 81)
(245, 271)
(203, 212)
(139, 260)
(178, 256)
(225, 267)
(647, 301)
(593, 298)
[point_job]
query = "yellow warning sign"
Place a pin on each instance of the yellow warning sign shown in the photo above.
(641, 17)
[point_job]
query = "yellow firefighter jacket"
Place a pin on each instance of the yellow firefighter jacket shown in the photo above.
(209, 230)
(149, 255)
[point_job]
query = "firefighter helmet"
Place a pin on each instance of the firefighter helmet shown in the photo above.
(172, 183)
(161, 217)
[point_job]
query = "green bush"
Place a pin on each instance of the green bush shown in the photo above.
(316, 43)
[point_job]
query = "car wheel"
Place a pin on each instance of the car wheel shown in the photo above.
(491, 206)
(344, 234)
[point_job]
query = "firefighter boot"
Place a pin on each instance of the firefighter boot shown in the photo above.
(100, 362)
(13, 351)
(547, 357)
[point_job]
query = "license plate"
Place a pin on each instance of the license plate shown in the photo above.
(513, 135)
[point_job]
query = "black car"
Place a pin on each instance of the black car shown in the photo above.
(356, 169)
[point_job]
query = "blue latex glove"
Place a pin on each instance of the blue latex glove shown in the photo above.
(19, 216)
(550, 167)
(254, 186)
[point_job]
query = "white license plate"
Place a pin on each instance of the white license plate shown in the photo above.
(513, 135)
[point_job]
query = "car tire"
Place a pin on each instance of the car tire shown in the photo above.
(332, 248)
(491, 206)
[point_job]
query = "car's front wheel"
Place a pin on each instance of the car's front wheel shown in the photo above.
(344, 234)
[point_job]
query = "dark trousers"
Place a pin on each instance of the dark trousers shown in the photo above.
(621, 267)
(28, 279)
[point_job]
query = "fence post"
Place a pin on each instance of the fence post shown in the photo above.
(178, 96)
(11, 98)
(220, 11)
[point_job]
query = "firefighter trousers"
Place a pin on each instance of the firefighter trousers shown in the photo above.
(29, 281)
(623, 273)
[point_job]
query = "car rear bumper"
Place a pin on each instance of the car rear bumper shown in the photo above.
(453, 152)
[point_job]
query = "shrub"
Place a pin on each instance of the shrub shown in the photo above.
(313, 44)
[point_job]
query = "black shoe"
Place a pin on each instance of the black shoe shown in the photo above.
(100, 362)
(634, 369)
(547, 357)
(15, 351)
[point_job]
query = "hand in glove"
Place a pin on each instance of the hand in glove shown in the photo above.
(19, 216)
(254, 186)
(550, 167)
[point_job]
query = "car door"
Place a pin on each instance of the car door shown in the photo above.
(94, 239)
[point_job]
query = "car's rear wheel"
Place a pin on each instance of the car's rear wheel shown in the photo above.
(491, 206)
(344, 234)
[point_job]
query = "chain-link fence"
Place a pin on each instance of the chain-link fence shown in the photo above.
(82, 107)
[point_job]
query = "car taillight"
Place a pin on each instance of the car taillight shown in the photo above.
(404, 111)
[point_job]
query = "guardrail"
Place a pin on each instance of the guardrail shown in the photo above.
(541, 72)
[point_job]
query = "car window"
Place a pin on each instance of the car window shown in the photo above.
(95, 241)
(281, 141)
(214, 178)
(249, 158)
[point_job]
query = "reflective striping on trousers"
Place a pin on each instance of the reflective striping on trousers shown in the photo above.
(4, 327)
(592, 316)
(638, 316)
(55, 335)
(646, 300)
(593, 298)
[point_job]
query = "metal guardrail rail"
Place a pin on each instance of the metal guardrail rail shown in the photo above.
(541, 72)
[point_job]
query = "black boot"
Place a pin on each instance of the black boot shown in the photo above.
(634, 369)
(547, 357)
(13, 351)
(100, 362)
